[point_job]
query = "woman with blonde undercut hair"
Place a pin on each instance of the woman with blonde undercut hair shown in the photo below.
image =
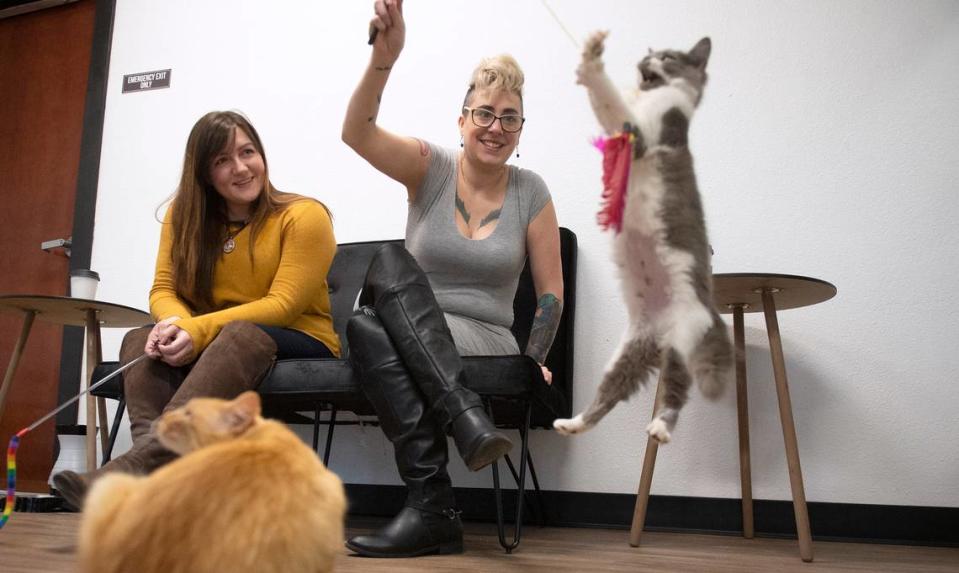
(473, 220)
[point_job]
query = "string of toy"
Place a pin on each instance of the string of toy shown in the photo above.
(560, 23)
(617, 152)
(15, 441)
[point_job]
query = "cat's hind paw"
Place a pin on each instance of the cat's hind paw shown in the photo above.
(659, 430)
(570, 426)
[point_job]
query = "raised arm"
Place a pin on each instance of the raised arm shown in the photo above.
(606, 100)
(542, 244)
(403, 159)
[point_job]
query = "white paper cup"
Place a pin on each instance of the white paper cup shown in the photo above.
(83, 283)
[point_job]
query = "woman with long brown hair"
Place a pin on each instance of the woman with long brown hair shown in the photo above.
(240, 280)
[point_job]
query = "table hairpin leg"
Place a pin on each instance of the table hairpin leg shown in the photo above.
(742, 409)
(789, 426)
(646, 478)
(101, 402)
(28, 316)
(93, 353)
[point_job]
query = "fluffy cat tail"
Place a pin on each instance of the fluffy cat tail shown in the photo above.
(712, 363)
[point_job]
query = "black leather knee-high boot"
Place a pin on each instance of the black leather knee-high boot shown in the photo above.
(428, 523)
(401, 294)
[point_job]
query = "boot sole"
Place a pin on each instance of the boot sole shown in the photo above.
(451, 548)
(489, 451)
(71, 492)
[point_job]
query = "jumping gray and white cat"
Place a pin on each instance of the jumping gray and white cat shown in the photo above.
(661, 249)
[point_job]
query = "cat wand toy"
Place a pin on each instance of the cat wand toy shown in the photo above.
(15, 441)
(373, 32)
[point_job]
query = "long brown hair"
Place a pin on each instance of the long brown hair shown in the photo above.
(199, 214)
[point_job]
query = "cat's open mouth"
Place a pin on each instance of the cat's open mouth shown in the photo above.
(649, 78)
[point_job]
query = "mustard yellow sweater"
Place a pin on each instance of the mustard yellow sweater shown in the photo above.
(284, 285)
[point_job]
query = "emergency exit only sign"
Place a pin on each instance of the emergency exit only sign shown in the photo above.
(144, 81)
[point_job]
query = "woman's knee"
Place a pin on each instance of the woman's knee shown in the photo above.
(368, 340)
(134, 343)
(393, 267)
(241, 335)
(235, 326)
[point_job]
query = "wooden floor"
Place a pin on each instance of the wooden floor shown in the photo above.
(45, 542)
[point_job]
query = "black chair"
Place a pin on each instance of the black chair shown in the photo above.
(512, 386)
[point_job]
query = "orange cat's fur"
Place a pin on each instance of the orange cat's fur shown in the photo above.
(247, 495)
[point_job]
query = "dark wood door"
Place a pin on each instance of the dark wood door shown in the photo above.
(44, 62)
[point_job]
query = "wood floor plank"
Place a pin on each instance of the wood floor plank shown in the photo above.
(46, 542)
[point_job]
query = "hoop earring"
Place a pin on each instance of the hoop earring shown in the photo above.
(461, 141)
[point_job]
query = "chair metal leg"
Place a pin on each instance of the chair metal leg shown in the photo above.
(539, 493)
(316, 426)
(520, 489)
(102, 426)
(539, 511)
(114, 430)
(329, 436)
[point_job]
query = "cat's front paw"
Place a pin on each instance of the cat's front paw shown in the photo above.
(594, 45)
(570, 426)
(658, 429)
(592, 61)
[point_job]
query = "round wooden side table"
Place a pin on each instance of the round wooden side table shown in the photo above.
(737, 294)
(68, 311)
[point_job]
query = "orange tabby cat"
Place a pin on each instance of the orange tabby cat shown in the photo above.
(250, 496)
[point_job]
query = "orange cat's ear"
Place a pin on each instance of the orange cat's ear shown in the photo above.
(242, 412)
(249, 401)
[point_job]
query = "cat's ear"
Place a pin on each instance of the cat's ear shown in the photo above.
(249, 401)
(700, 52)
(242, 411)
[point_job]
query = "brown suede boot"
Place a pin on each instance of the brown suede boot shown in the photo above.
(237, 359)
(147, 389)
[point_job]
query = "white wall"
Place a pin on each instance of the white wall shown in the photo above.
(826, 145)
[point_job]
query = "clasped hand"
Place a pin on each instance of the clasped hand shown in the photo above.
(169, 343)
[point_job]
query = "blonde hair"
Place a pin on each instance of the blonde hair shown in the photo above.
(499, 73)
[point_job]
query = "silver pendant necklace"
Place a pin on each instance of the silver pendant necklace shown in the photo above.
(229, 245)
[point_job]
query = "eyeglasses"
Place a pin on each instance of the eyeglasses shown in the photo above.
(481, 117)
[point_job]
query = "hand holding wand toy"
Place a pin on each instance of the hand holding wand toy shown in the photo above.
(15, 441)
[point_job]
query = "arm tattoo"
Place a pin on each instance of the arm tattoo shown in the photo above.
(461, 207)
(372, 118)
(425, 150)
(545, 324)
